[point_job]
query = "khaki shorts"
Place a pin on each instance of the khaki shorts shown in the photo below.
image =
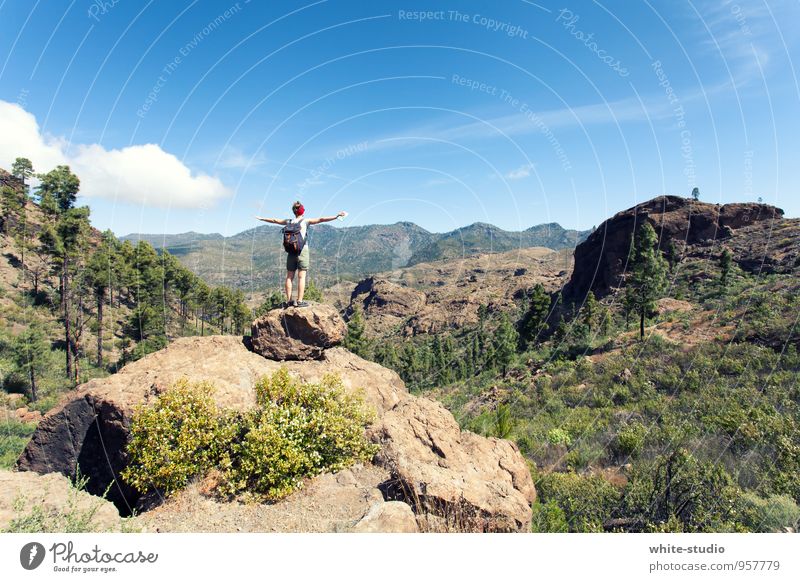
(298, 262)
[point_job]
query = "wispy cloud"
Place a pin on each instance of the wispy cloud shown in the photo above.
(745, 34)
(522, 172)
(530, 121)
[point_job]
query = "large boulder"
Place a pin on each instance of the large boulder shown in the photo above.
(53, 499)
(473, 482)
(297, 333)
(89, 429)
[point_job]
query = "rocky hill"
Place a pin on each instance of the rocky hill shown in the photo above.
(445, 295)
(425, 462)
(691, 227)
(254, 258)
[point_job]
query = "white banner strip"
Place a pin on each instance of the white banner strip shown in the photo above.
(388, 558)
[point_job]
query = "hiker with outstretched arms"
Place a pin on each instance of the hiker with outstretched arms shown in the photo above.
(295, 244)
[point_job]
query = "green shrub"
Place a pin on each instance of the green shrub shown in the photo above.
(178, 437)
(299, 430)
(630, 440)
(548, 518)
(558, 436)
(586, 502)
(296, 431)
(699, 494)
(771, 514)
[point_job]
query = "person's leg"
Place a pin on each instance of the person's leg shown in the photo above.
(301, 284)
(288, 285)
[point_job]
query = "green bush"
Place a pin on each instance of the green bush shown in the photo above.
(296, 431)
(558, 436)
(548, 518)
(176, 438)
(700, 494)
(771, 514)
(630, 440)
(586, 502)
(299, 430)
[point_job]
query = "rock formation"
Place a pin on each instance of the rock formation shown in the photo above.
(430, 464)
(479, 483)
(434, 297)
(600, 260)
(297, 333)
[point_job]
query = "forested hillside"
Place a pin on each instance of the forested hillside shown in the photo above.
(78, 303)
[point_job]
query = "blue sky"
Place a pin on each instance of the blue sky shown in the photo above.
(198, 115)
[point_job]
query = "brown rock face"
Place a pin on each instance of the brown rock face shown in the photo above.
(600, 260)
(386, 305)
(89, 429)
(297, 333)
(476, 483)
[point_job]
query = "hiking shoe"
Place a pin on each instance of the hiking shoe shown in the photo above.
(301, 304)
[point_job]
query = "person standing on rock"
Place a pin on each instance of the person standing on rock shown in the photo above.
(295, 243)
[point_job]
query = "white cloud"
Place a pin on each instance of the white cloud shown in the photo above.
(522, 172)
(142, 174)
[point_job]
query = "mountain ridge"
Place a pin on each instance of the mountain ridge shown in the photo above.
(351, 251)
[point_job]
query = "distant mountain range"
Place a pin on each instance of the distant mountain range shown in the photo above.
(254, 259)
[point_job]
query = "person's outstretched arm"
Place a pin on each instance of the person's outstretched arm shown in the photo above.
(272, 220)
(325, 218)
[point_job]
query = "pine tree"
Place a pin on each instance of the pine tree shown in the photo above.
(534, 323)
(29, 352)
(505, 343)
(590, 311)
(22, 169)
(356, 340)
(647, 280)
(695, 193)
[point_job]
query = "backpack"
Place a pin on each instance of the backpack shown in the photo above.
(293, 241)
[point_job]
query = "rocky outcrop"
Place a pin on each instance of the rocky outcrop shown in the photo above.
(388, 517)
(600, 260)
(297, 333)
(478, 483)
(89, 429)
(23, 493)
(435, 297)
(465, 481)
(386, 305)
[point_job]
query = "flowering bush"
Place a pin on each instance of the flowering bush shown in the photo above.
(176, 438)
(297, 430)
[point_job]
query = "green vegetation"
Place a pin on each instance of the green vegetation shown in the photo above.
(14, 436)
(296, 431)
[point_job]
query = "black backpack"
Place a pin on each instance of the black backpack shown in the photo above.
(293, 240)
